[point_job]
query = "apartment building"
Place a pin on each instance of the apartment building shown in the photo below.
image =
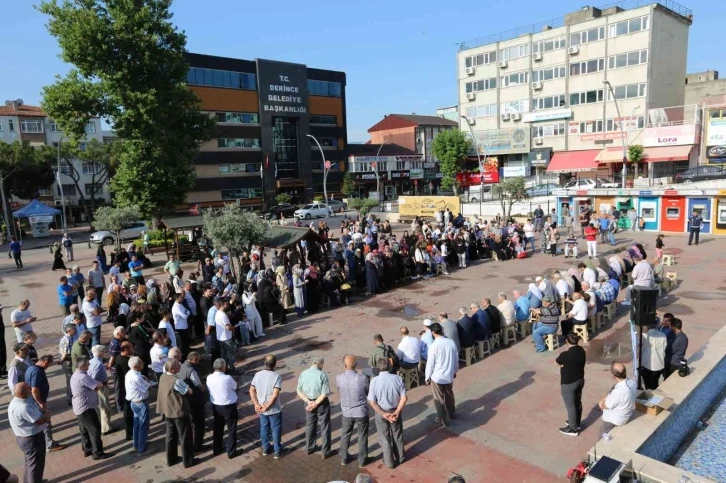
(538, 97)
(22, 122)
(393, 169)
(266, 112)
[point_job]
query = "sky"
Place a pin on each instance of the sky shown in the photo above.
(399, 55)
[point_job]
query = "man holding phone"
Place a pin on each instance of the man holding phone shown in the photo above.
(22, 319)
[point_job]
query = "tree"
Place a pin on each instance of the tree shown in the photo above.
(115, 218)
(135, 77)
(348, 187)
(102, 159)
(362, 205)
(24, 171)
(509, 191)
(235, 229)
(451, 147)
(283, 199)
(635, 156)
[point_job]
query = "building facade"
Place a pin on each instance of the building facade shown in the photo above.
(21, 122)
(266, 113)
(700, 85)
(537, 97)
(451, 113)
(390, 168)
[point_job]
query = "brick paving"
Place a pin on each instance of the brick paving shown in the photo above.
(509, 405)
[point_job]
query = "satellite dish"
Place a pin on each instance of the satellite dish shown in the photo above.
(8, 103)
(19, 102)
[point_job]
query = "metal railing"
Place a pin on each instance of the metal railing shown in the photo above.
(560, 22)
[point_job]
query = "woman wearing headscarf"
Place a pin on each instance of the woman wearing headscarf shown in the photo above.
(101, 258)
(283, 287)
(548, 290)
(57, 258)
(576, 278)
(371, 275)
(535, 296)
(616, 265)
(313, 289)
(298, 288)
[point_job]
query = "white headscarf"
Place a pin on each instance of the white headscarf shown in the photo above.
(535, 291)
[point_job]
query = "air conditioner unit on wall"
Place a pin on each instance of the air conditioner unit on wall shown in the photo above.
(506, 116)
(470, 70)
(470, 96)
(538, 141)
(516, 116)
(573, 50)
(58, 203)
(503, 64)
(537, 85)
(536, 56)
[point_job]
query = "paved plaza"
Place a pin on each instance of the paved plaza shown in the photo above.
(509, 406)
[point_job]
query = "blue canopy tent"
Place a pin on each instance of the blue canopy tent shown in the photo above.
(40, 216)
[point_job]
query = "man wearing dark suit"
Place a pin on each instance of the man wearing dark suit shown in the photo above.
(469, 329)
(481, 318)
(492, 311)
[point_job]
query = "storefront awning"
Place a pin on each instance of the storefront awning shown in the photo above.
(667, 153)
(610, 155)
(571, 161)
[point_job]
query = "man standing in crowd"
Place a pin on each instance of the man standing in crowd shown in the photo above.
(265, 395)
(81, 347)
(591, 240)
(694, 227)
(441, 369)
(173, 404)
(37, 380)
(21, 320)
(381, 350)
(64, 350)
(66, 296)
(387, 397)
(97, 370)
(678, 349)
(19, 365)
(572, 380)
(188, 373)
(137, 396)
(92, 311)
(653, 357)
(618, 405)
(85, 402)
(451, 331)
(67, 243)
(121, 366)
(16, 249)
(353, 389)
(408, 350)
(97, 281)
(172, 266)
(224, 331)
(313, 389)
(223, 396)
(425, 343)
(29, 422)
(538, 218)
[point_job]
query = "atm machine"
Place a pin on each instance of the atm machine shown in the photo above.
(648, 211)
(721, 213)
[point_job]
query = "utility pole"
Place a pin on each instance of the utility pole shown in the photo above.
(60, 186)
(8, 220)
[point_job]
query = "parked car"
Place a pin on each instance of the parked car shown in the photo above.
(700, 173)
(313, 210)
(607, 183)
(337, 206)
(130, 232)
(287, 210)
(583, 184)
(479, 192)
(541, 189)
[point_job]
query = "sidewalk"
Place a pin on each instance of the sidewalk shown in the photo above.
(79, 234)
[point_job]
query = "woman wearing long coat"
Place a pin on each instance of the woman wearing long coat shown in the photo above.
(298, 289)
(313, 289)
(283, 287)
(371, 275)
(58, 258)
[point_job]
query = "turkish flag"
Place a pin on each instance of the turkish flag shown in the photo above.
(267, 161)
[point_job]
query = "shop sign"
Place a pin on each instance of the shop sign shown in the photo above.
(409, 157)
(645, 193)
(716, 151)
(501, 141)
(540, 157)
(439, 175)
(560, 193)
(429, 165)
(716, 133)
(670, 192)
(670, 135)
(40, 219)
(400, 174)
(514, 171)
(547, 115)
(491, 174)
(371, 159)
(370, 176)
(721, 192)
(417, 173)
(602, 136)
(581, 193)
(283, 87)
(427, 206)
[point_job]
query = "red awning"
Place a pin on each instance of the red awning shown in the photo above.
(570, 161)
(667, 153)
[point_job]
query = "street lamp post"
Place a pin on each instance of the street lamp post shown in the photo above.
(375, 167)
(481, 166)
(622, 131)
(326, 168)
(60, 187)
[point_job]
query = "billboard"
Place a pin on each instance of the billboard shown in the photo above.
(491, 174)
(670, 135)
(501, 141)
(426, 206)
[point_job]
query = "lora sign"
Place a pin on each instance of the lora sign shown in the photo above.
(670, 135)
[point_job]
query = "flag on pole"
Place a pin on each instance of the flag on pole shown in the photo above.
(276, 170)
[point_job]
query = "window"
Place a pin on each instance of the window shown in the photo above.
(68, 189)
(481, 85)
(626, 60)
(514, 52)
(416, 164)
(65, 167)
(31, 127)
(587, 36)
(629, 26)
(515, 106)
(238, 143)
(630, 124)
(238, 117)
(221, 78)
(53, 127)
(11, 125)
(242, 193)
(98, 190)
(717, 114)
(629, 91)
(481, 59)
(481, 111)
(89, 169)
(324, 88)
(549, 73)
(284, 146)
(239, 168)
(587, 97)
(400, 165)
(550, 102)
(326, 142)
(555, 43)
(82, 146)
(546, 130)
(45, 192)
(326, 120)
(515, 79)
(587, 67)
(587, 127)
(91, 128)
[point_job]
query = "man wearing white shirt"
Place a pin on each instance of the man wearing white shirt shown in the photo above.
(618, 405)
(561, 286)
(137, 394)
(441, 368)
(577, 315)
(223, 261)
(181, 324)
(223, 396)
(159, 353)
(211, 343)
(588, 274)
(223, 329)
(592, 303)
(408, 350)
(166, 325)
(93, 311)
(653, 357)
(528, 234)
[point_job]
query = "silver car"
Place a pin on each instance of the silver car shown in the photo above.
(130, 232)
(337, 206)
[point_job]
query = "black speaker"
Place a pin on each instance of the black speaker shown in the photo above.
(642, 310)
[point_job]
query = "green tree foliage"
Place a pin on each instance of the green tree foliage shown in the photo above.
(115, 218)
(348, 187)
(635, 153)
(24, 169)
(129, 68)
(234, 229)
(283, 199)
(362, 205)
(509, 191)
(451, 148)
